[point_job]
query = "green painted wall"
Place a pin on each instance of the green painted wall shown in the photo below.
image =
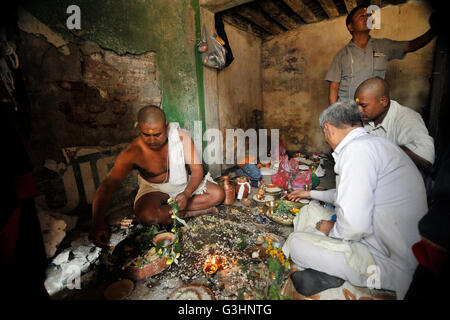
(171, 28)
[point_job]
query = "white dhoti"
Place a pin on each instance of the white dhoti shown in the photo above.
(171, 189)
(310, 248)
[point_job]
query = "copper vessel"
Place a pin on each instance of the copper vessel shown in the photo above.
(229, 190)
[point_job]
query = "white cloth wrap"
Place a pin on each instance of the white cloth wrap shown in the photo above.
(357, 255)
(177, 167)
(242, 189)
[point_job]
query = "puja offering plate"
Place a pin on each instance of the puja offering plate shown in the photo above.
(260, 239)
(267, 171)
(266, 198)
(274, 237)
(280, 211)
(272, 189)
(287, 220)
(304, 160)
(293, 204)
(192, 292)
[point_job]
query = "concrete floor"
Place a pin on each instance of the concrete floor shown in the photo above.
(159, 287)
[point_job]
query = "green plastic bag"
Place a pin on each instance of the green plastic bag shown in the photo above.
(315, 181)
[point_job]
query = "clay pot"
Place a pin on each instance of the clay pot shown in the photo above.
(119, 290)
(242, 182)
(164, 236)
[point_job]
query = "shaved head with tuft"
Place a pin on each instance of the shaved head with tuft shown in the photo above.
(151, 114)
(377, 87)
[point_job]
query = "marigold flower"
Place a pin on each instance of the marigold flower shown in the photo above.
(169, 261)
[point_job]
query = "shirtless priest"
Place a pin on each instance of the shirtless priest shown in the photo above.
(160, 154)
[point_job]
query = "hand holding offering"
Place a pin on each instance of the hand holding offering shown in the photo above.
(299, 194)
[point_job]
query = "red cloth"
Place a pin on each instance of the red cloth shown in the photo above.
(25, 186)
(304, 178)
(8, 237)
(429, 256)
(281, 179)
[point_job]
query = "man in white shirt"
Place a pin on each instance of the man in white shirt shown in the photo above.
(379, 199)
(386, 118)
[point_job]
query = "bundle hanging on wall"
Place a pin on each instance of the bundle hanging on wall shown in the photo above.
(213, 53)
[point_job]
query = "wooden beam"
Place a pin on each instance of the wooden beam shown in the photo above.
(302, 10)
(242, 24)
(221, 5)
(350, 4)
(376, 2)
(257, 17)
(329, 7)
(276, 13)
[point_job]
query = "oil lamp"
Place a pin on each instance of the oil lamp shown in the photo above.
(210, 267)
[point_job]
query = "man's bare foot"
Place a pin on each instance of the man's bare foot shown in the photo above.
(195, 213)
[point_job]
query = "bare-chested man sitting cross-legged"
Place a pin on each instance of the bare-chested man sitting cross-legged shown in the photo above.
(160, 154)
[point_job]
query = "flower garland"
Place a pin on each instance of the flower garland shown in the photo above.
(277, 253)
(276, 265)
(173, 252)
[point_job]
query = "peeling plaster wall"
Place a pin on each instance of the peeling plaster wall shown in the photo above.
(239, 85)
(89, 97)
(168, 27)
(85, 87)
(294, 65)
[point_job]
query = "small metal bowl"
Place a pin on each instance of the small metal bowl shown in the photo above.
(261, 253)
(262, 224)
